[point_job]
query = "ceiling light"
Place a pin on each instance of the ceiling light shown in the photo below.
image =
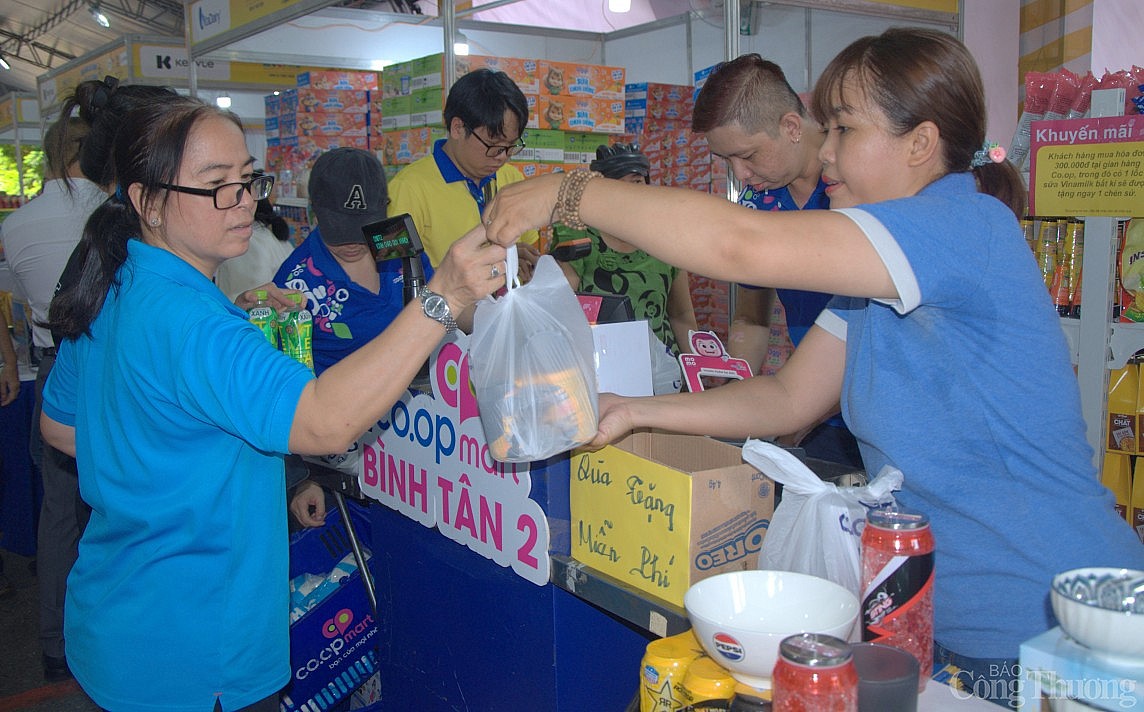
(223, 101)
(99, 17)
(4, 63)
(619, 5)
(460, 44)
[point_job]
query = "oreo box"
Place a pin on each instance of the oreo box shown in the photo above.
(333, 646)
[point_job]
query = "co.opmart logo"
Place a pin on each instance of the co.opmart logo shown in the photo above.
(342, 625)
(339, 624)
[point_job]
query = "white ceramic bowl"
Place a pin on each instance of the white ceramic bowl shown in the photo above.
(741, 617)
(1111, 634)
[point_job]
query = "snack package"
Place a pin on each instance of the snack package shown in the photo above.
(1038, 93)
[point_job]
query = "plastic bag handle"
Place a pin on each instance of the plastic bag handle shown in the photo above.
(511, 267)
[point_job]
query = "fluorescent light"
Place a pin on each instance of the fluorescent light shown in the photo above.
(223, 101)
(99, 17)
(4, 63)
(619, 5)
(460, 44)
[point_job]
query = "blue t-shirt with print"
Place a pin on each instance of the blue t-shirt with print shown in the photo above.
(346, 314)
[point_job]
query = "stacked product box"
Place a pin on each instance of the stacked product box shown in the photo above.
(564, 96)
(328, 109)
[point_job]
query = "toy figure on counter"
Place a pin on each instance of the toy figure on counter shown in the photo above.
(923, 246)
(659, 292)
(752, 117)
(179, 412)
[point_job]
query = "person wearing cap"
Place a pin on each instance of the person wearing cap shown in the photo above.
(659, 292)
(352, 297)
(446, 191)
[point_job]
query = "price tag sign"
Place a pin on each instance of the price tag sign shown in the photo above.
(1087, 167)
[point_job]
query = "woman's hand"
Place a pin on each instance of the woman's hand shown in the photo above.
(308, 505)
(522, 206)
(472, 269)
(279, 298)
(615, 420)
(9, 383)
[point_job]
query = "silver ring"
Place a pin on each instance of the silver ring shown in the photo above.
(494, 272)
(489, 221)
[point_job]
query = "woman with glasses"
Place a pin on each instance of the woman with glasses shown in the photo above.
(446, 191)
(179, 413)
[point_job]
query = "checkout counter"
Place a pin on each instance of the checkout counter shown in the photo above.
(480, 605)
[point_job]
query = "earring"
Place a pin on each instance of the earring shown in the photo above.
(154, 222)
(798, 138)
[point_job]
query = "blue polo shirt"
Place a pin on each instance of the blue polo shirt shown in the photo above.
(346, 314)
(182, 412)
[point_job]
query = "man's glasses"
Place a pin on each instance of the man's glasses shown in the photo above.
(494, 151)
(229, 195)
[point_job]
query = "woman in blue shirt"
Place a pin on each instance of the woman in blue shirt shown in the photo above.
(944, 348)
(179, 411)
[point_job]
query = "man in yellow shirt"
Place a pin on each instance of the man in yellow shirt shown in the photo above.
(446, 191)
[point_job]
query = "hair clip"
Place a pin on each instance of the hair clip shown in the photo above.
(990, 152)
(103, 93)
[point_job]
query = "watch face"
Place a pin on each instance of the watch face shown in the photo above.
(436, 306)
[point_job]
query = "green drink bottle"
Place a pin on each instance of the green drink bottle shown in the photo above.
(296, 329)
(265, 317)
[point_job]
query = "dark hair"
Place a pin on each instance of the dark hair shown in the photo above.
(621, 159)
(62, 142)
(102, 105)
(915, 75)
(148, 150)
(480, 98)
(264, 213)
(749, 91)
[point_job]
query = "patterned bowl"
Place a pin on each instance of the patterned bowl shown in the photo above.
(1102, 608)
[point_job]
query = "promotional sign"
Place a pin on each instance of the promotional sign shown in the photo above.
(1087, 167)
(429, 460)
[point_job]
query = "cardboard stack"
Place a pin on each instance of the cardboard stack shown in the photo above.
(563, 98)
(325, 110)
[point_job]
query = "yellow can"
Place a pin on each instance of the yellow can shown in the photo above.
(706, 680)
(662, 669)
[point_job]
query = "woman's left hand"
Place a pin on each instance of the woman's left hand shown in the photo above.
(9, 383)
(279, 298)
(520, 207)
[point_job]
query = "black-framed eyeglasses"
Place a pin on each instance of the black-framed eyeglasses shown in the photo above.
(228, 195)
(494, 151)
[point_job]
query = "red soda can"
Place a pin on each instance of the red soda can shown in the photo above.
(897, 584)
(814, 673)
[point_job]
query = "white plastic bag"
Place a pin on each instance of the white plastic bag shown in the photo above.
(531, 360)
(817, 526)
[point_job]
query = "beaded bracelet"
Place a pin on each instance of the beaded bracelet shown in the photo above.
(569, 196)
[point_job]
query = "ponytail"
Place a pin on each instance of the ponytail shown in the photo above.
(93, 270)
(1002, 181)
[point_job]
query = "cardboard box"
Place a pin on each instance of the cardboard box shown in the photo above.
(542, 146)
(338, 79)
(662, 511)
(330, 101)
(1054, 667)
(581, 113)
(315, 124)
(332, 646)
